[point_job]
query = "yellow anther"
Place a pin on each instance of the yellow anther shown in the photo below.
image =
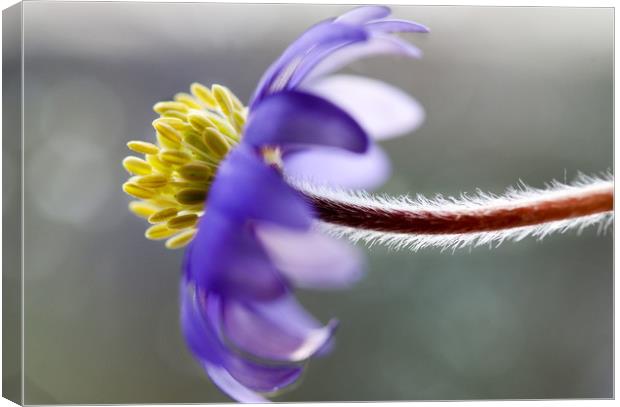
(238, 120)
(182, 221)
(143, 147)
(168, 133)
(138, 191)
(137, 166)
(142, 209)
(216, 142)
(163, 107)
(199, 121)
(158, 164)
(187, 99)
(236, 103)
(152, 181)
(235, 100)
(223, 126)
(163, 202)
(174, 157)
(163, 215)
(204, 94)
(195, 171)
(196, 142)
(191, 196)
(174, 114)
(182, 184)
(194, 133)
(181, 239)
(222, 96)
(159, 232)
(175, 123)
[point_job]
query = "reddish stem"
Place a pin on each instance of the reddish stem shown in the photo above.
(548, 207)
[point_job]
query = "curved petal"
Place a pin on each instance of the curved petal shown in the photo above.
(331, 264)
(291, 119)
(248, 273)
(262, 378)
(363, 14)
(277, 330)
(324, 34)
(247, 188)
(254, 375)
(224, 258)
(382, 110)
(339, 169)
(244, 383)
(396, 26)
(236, 376)
(199, 334)
(339, 57)
(229, 385)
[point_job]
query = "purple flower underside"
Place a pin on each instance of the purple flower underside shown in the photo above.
(238, 312)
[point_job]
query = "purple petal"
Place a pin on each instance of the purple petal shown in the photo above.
(324, 34)
(339, 169)
(254, 375)
(331, 263)
(396, 26)
(293, 119)
(278, 330)
(243, 381)
(377, 44)
(200, 336)
(232, 387)
(237, 376)
(262, 378)
(225, 258)
(364, 14)
(384, 111)
(247, 188)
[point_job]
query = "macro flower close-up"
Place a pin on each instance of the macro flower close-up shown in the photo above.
(213, 202)
(217, 179)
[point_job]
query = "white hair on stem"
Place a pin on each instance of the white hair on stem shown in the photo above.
(399, 241)
(445, 207)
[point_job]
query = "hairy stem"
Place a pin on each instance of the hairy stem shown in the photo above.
(536, 207)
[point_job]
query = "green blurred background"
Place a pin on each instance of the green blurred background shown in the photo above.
(510, 93)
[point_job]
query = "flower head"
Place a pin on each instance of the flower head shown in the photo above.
(220, 174)
(194, 133)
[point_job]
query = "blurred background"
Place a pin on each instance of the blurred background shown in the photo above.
(510, 94)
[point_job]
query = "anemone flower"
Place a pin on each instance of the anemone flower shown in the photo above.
(218, 178)
(238, 185)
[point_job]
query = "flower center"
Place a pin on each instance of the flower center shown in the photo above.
(194, 134)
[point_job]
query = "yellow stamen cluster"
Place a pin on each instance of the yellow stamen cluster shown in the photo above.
(194, 133)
